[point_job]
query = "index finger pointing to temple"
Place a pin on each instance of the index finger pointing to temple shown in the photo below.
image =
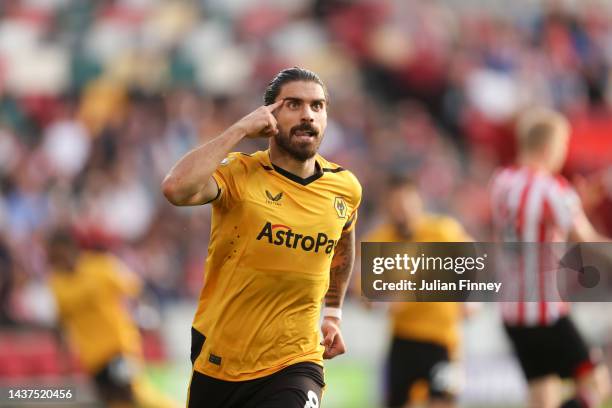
(275, 105)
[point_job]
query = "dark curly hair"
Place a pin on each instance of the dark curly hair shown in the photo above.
(291, 75)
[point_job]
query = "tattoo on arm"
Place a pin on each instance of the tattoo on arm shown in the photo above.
(341, 268)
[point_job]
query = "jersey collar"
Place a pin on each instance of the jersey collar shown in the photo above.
(269, 166)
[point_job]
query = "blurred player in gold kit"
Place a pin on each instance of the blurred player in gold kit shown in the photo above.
(90, 289)
(282, 242)
(422, 360)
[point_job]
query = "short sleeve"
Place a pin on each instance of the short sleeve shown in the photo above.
(355, 201)
(452, 231)
(230, 177)
(565, 205)
(119, 277)
(350, 224)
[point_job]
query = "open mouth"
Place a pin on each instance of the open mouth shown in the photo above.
(304, 133)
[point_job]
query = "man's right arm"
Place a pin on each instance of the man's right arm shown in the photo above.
(190, 181)
(583, 231)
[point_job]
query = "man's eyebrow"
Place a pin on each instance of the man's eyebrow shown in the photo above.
(296, 99)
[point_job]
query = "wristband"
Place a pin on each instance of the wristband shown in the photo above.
(332, 312)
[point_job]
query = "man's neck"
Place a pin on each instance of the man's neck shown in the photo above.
(534, 163)
(282, 159)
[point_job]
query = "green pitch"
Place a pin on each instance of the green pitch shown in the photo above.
(350, 384)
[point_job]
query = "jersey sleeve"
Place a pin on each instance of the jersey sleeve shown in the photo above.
(355, 202)
(565, 205)
(452, 231)
(119, 277)
(230, 177)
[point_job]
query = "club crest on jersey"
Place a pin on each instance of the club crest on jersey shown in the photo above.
(273, 199)
(340, 207)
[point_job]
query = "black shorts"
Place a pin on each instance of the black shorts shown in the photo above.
(297, 386)
(410, 361)
(557, 349)
(114, 380)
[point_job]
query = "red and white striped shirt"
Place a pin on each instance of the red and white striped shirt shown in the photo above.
(533, 206)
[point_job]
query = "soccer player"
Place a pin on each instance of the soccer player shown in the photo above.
(532, 202)
(422, 361)
(282, 242)
(90, 289)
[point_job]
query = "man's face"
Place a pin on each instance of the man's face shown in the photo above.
(405, 209)
(302, 119)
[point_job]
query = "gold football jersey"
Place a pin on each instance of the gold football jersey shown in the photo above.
(272, 240)
(436, 322)
(91, 308)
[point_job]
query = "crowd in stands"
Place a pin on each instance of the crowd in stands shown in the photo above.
(99, 98)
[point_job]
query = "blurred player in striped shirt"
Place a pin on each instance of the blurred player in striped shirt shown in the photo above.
(532, 202)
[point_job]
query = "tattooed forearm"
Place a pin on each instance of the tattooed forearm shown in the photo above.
(340, 271)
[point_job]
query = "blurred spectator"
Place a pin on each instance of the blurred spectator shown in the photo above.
(6, 283)
(98, 99)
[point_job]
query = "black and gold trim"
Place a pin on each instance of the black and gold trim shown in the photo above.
(349, 222)
(297, 179)
(218, 193)
(197, 342)
(330, 170)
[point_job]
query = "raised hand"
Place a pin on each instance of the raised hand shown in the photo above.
(261, 122)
